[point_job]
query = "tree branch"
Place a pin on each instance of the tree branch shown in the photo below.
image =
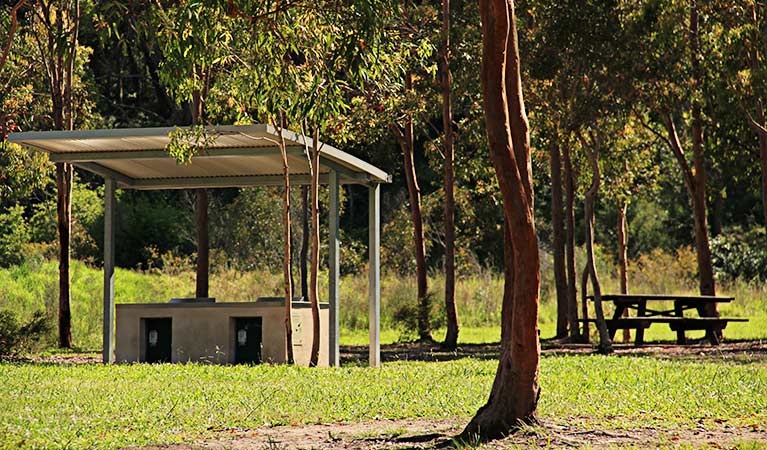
(11, 31)
(759, 128)
(676, 148)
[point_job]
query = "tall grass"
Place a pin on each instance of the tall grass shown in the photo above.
(33, 286)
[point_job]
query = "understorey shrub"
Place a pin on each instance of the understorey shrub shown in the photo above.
(739, 254)
(16, 337)
(14, 234)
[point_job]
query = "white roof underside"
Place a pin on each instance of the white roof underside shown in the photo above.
(240, 155)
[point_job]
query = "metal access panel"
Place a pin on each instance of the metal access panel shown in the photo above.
(157, 340)
(247, 340)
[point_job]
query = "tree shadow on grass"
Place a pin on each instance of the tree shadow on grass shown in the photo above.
(731, 351)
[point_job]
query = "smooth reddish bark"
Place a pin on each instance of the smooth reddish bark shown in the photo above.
(11, 31)
(514, 395)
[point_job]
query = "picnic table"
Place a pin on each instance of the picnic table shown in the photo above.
(657, 313)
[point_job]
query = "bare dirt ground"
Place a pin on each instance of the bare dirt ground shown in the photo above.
(420, 434)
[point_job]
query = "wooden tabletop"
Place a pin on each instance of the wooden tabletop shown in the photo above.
(664, 297)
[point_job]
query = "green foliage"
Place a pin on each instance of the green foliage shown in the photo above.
(248, 231)
(149, 226)
(87, 221)
(739, 254)
(187, 142)
(22, 172)
(16, 337)
(14, 233)
(195, 39)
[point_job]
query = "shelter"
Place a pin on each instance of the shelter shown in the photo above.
(237, 156)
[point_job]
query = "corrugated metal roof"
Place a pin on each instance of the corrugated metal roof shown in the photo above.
(239, 155)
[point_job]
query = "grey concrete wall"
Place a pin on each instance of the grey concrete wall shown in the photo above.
(204, 332)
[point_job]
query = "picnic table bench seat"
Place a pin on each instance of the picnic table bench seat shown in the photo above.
(674, 318)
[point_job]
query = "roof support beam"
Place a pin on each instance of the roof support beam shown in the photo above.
(110, 208)
(334, 280)
(80, 157)
(374, 268)
(361, 178)
(222, 182)
(105, 172)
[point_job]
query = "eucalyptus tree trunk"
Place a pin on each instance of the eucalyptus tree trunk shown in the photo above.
(304, 243)
(514, 395)
(414, 191)
(572, 292)
(315, 252)
(705, 267)
(287, 244)
(201, 215)
(623, 258)
(62, 36)
(605, 344)
(11, 31)
(762, 154)
(451, 338)
(558, 226)
(695, 177)
(64, 181)
(760, 126)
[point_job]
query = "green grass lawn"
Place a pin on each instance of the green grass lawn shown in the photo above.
(95, 406)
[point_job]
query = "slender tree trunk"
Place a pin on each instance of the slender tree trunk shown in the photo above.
(514, 395)
(623, 258)
(315, 253)
(705, 265)
(201, 215)
(287, 244)
(717, 205)
(304, 242)
(695, 178)
(572, 292)
(558, 226)
(414, 191)
(64, 180)
(60, 68)
(695, 182)
(11, 31)
(585, 337)
(762, 155)
(451, 338)
(759, 106)
(605, 344)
